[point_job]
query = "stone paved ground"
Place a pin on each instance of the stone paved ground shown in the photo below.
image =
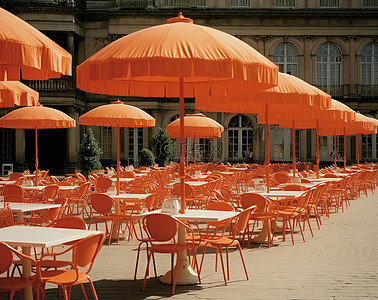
(340, 262)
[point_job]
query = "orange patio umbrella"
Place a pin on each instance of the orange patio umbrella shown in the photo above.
(36, 117)
(15, 93)
(196, 126)
(26, 52)
(177, 59)
(117, 115)
(291, 94)
(339, 113)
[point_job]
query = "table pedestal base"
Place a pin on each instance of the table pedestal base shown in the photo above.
(185, 275)
(262, 237)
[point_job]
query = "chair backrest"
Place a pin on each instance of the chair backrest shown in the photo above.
(294, 187)
(6, 217)
(160, 227)
(6, 259)
(305, 180)
(19, 181)
(101, 203)
(12, 189)
(241, 220)
(87, 250)
(104, 183)
(282, 177)
(71, 222)
(128, 174)
(254, 199)
(50, 192)
(150, 201)
(14, 198)
(177, 189)
(15, 175)
(53, 179)
(225, 206)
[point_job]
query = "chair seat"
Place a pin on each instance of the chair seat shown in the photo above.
(169, 248)
(223, 241)
(63, 277)
(8, 284)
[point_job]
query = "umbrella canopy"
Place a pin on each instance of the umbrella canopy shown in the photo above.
(150, 63)
(178, 59)
(36, 117)
(117, 115)
(290, 95)
(15, 93)
(196, 126)
(24, 48)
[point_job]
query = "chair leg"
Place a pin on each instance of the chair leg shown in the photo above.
(147, 270)
(174, 270)
(221, 259)
(83, 291)
(93, 289)
(242, 259)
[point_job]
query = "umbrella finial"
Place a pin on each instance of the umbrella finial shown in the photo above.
(179, 18)
(118, 102)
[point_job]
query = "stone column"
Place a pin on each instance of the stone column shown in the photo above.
(71, 50)
(20, 150)
(73, 140)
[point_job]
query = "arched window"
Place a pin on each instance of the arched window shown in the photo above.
(240, 138)
(328, 69)
(369, 70)
(286, 57)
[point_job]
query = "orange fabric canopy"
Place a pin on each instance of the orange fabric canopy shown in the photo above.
(15, 93)
(24, 48)
(196, 126)
(149, 63)
(117, 114)
(290, 94)
(36, 117)
(307, 119)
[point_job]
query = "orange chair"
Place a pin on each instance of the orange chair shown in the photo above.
(161, 231)
(15, 176)
(78, 196)
(238, 225)
(293, 187)
(13, 284)
(305, 180)
(84, 253)
(103, 184)
(14, 198)
(48, 194)
(282, 176)
(6, 217)
(102, 211)
(330, 175)
(189, 199)
(264, 212)
(13, 189)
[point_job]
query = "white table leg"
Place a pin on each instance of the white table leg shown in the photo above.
(262, 237)
(26, 272)
(185, 274)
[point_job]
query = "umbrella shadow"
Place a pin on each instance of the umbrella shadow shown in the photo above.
(126, 289)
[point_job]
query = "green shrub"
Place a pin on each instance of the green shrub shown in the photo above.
(89, 154)
(162, 146)
(146, 158)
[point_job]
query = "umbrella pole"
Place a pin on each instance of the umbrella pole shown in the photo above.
(335, 150)
(194, 149)
(357, 149)
(185, 273)
(293, 142)
(344, 149)
(36, 156)
(267, 147)
(182, 145)
(317, 149)
(118, 163)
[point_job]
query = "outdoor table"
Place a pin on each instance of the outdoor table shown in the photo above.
(324, 179)
(185, 273)
(305, 184)
(63, 189)
(32, 236)
(130, 197)
(3, 182)
(21, 208)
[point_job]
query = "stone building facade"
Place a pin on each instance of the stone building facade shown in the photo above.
(332, 44)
